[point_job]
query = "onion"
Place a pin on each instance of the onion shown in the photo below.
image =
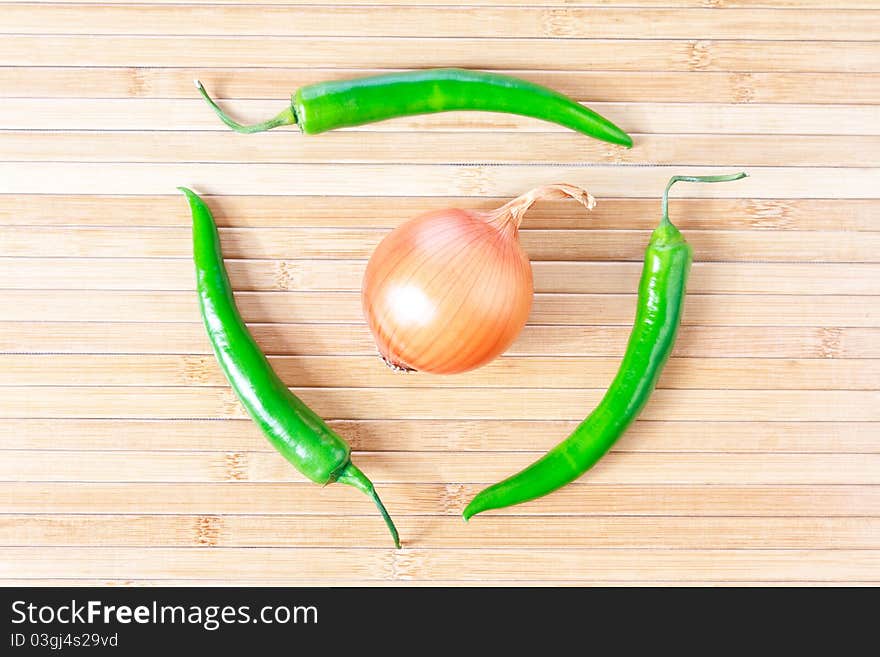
(450, 290)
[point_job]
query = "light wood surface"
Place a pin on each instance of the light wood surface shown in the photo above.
(126, 459)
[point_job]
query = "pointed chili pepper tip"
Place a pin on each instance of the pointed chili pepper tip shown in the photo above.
(190, 194)
(470, 511)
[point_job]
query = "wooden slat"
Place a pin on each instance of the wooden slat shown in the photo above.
(408, 467)
(488, 53)
(587, 86)
(320, 275)
(446, 435)
(417, 403)
(637, 117)
(424, 180)
(440, 532)
(484, 564)
(446, 499)
(717, 4)
(334, 244)
(388, 212)
(416, 21)
(368, 147)
(345, 307)
(354, 339)
(369, 372)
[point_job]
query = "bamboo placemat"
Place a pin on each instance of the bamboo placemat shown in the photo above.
(126, 458)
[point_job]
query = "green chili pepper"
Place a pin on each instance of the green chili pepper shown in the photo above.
(344, 103)
(293, 428)
(660, 304)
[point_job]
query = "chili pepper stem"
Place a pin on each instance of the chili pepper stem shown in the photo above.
(287, 117)
(698, 179)
(352, 476)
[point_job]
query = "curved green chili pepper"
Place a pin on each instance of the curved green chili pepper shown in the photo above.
(660, 304)
(293, 428)
(344, 103)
